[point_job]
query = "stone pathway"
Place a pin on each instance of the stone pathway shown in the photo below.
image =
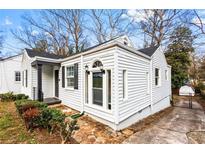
(172, 128)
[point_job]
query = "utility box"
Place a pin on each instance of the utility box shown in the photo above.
(186, 91)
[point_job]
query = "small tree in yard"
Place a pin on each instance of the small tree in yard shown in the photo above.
(178, 55)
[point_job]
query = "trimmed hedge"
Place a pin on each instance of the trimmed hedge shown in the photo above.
(38, 115)
(24, 104)
(6, 97)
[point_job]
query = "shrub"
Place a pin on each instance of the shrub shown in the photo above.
(6, 97)
(199, 88)
(46, 116)
(67, 128)
(32, 118)
(23, 105)
(57, 118)
(37, 114)
(21, 96)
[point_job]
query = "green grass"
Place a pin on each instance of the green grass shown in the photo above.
(12, 128)
(6, 121)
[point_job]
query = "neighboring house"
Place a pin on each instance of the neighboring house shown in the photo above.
(112, 82)
(10, 74)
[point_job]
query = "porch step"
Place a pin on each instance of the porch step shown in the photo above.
(52, 100)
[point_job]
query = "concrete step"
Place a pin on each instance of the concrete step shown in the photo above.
(52, 100)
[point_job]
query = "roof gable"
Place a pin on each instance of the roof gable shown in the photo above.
(2, 59)
(33, 53)
(149, 51)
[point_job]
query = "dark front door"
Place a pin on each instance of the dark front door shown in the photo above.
(56, 83)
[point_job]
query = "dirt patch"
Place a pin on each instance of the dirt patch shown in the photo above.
(196, 137)
(91, 131)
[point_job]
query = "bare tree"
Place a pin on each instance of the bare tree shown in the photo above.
(73, 22)
(59, 30)
(106, 24)
(157, 24)
(197, 21)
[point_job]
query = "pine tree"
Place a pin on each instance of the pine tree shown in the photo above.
(178, 55)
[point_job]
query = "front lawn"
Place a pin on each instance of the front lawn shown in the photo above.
(13, 130)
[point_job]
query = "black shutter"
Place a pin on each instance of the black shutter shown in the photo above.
(76, 76)
(63, 76)
(23, 78)
(26, 78)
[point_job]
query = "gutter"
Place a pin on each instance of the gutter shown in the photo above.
(107, 46)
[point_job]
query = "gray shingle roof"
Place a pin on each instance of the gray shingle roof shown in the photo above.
(32, 53)
(149, 51)
(2, 59)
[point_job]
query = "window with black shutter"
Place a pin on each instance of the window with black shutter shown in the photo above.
(63, 76)
(26, 78)
(22, 78)
(17, 76)
(76, 76)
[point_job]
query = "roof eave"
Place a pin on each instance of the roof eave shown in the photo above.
(107, 46)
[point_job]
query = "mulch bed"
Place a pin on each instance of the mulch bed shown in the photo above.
(91, 131)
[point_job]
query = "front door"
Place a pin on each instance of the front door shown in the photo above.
(98, 88)
(56, 83)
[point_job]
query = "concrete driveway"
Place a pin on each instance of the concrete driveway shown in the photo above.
(172, 128)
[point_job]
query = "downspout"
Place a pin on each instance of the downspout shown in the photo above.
(81, 84)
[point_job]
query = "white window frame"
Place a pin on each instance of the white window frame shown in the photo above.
(107, 95)
(24, 78)
(90, 85)
(15, 76)
(124, 85)
(166, 75)
(159, 77)
(69, 76)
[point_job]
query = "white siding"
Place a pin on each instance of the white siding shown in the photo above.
(47, 81)
(137, 97)
(34, 82)
(7, 74)
(26, 65)
(164, 90)
(107, 59)
(71, 97)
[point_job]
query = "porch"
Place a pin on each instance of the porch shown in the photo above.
(46, 81)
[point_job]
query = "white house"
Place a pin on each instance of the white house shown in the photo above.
(112, 82)
(10, 74)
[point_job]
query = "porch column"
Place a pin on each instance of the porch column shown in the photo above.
(39, 82)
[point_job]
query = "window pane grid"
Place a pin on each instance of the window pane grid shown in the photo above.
(17, 76)
(157, 77)
(70, 76)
